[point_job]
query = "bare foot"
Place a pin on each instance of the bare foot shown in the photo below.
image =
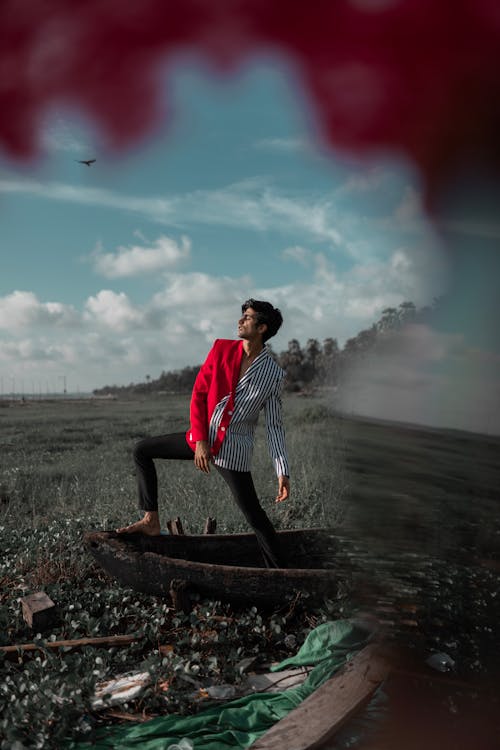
(149, 526)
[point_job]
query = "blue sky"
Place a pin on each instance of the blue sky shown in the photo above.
(136, 264)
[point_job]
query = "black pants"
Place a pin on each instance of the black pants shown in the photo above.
(240, 483)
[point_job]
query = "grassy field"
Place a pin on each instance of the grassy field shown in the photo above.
(416, 510)
(74, 458)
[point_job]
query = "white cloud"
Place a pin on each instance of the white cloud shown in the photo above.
(199, 305)
(316, 217)
(400, 262)
(410, 207)
(21, 309)
(113, 310)
(339, 303)
(414, 274)
(59, 136)
(31, 350)
(298, 254)
(254, 205)
(249, 204)
(164, 253)
(285, 145)
(155, 208)
(368, 180)
(356, 297)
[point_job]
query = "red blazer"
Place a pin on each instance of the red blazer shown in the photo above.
(217, 378)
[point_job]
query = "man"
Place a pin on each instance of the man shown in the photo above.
(238, 379)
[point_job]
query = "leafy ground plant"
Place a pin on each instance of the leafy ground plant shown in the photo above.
(419, 524)
(48, 696)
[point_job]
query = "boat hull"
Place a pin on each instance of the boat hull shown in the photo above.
(220, 566)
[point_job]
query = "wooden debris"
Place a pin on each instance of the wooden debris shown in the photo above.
(104, 641)
(39, 611)
(321, 715)
(175, 526)
(210, 526)
(119, 689)
(124, 716)
(179, 592)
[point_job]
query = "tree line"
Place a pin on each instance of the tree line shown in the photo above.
(317, 364)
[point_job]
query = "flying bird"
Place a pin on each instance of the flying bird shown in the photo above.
(88, 162)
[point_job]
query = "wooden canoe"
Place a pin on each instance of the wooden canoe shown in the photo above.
(219, 566)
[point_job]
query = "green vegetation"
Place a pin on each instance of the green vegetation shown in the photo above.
(417, 515)
(74, 458)
(67, 468)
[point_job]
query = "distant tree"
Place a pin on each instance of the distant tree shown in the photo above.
(292, 360)
(356, 348)
(395, 317)
(372, 339)
(408, 311)
(309, 359)
(327, 364)
(361, 343)
(389, 319)
(313, 350)
(429, 312)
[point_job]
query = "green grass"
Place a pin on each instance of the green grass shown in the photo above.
(75, 457)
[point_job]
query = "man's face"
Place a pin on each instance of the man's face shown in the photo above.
(248, 327)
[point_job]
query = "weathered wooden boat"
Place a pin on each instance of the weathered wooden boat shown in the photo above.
(219, 566)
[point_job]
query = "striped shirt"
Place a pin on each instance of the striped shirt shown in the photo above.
(259, 388)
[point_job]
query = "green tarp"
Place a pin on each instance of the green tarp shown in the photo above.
(238, 724)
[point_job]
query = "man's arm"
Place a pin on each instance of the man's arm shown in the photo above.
(283, 489)
(203, 456)
(276, 441)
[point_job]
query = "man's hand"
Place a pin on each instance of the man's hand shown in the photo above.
(203, 456)
(283, 489)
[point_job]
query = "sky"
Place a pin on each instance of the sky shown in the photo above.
(134, 265)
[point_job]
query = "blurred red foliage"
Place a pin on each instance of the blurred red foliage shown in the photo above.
(416, 76)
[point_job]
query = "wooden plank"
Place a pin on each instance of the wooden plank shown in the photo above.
(179, 593)
(107, 640)
(321, 715)
(210, 526)
(123, 716)
(39, 611)
(175, 526)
